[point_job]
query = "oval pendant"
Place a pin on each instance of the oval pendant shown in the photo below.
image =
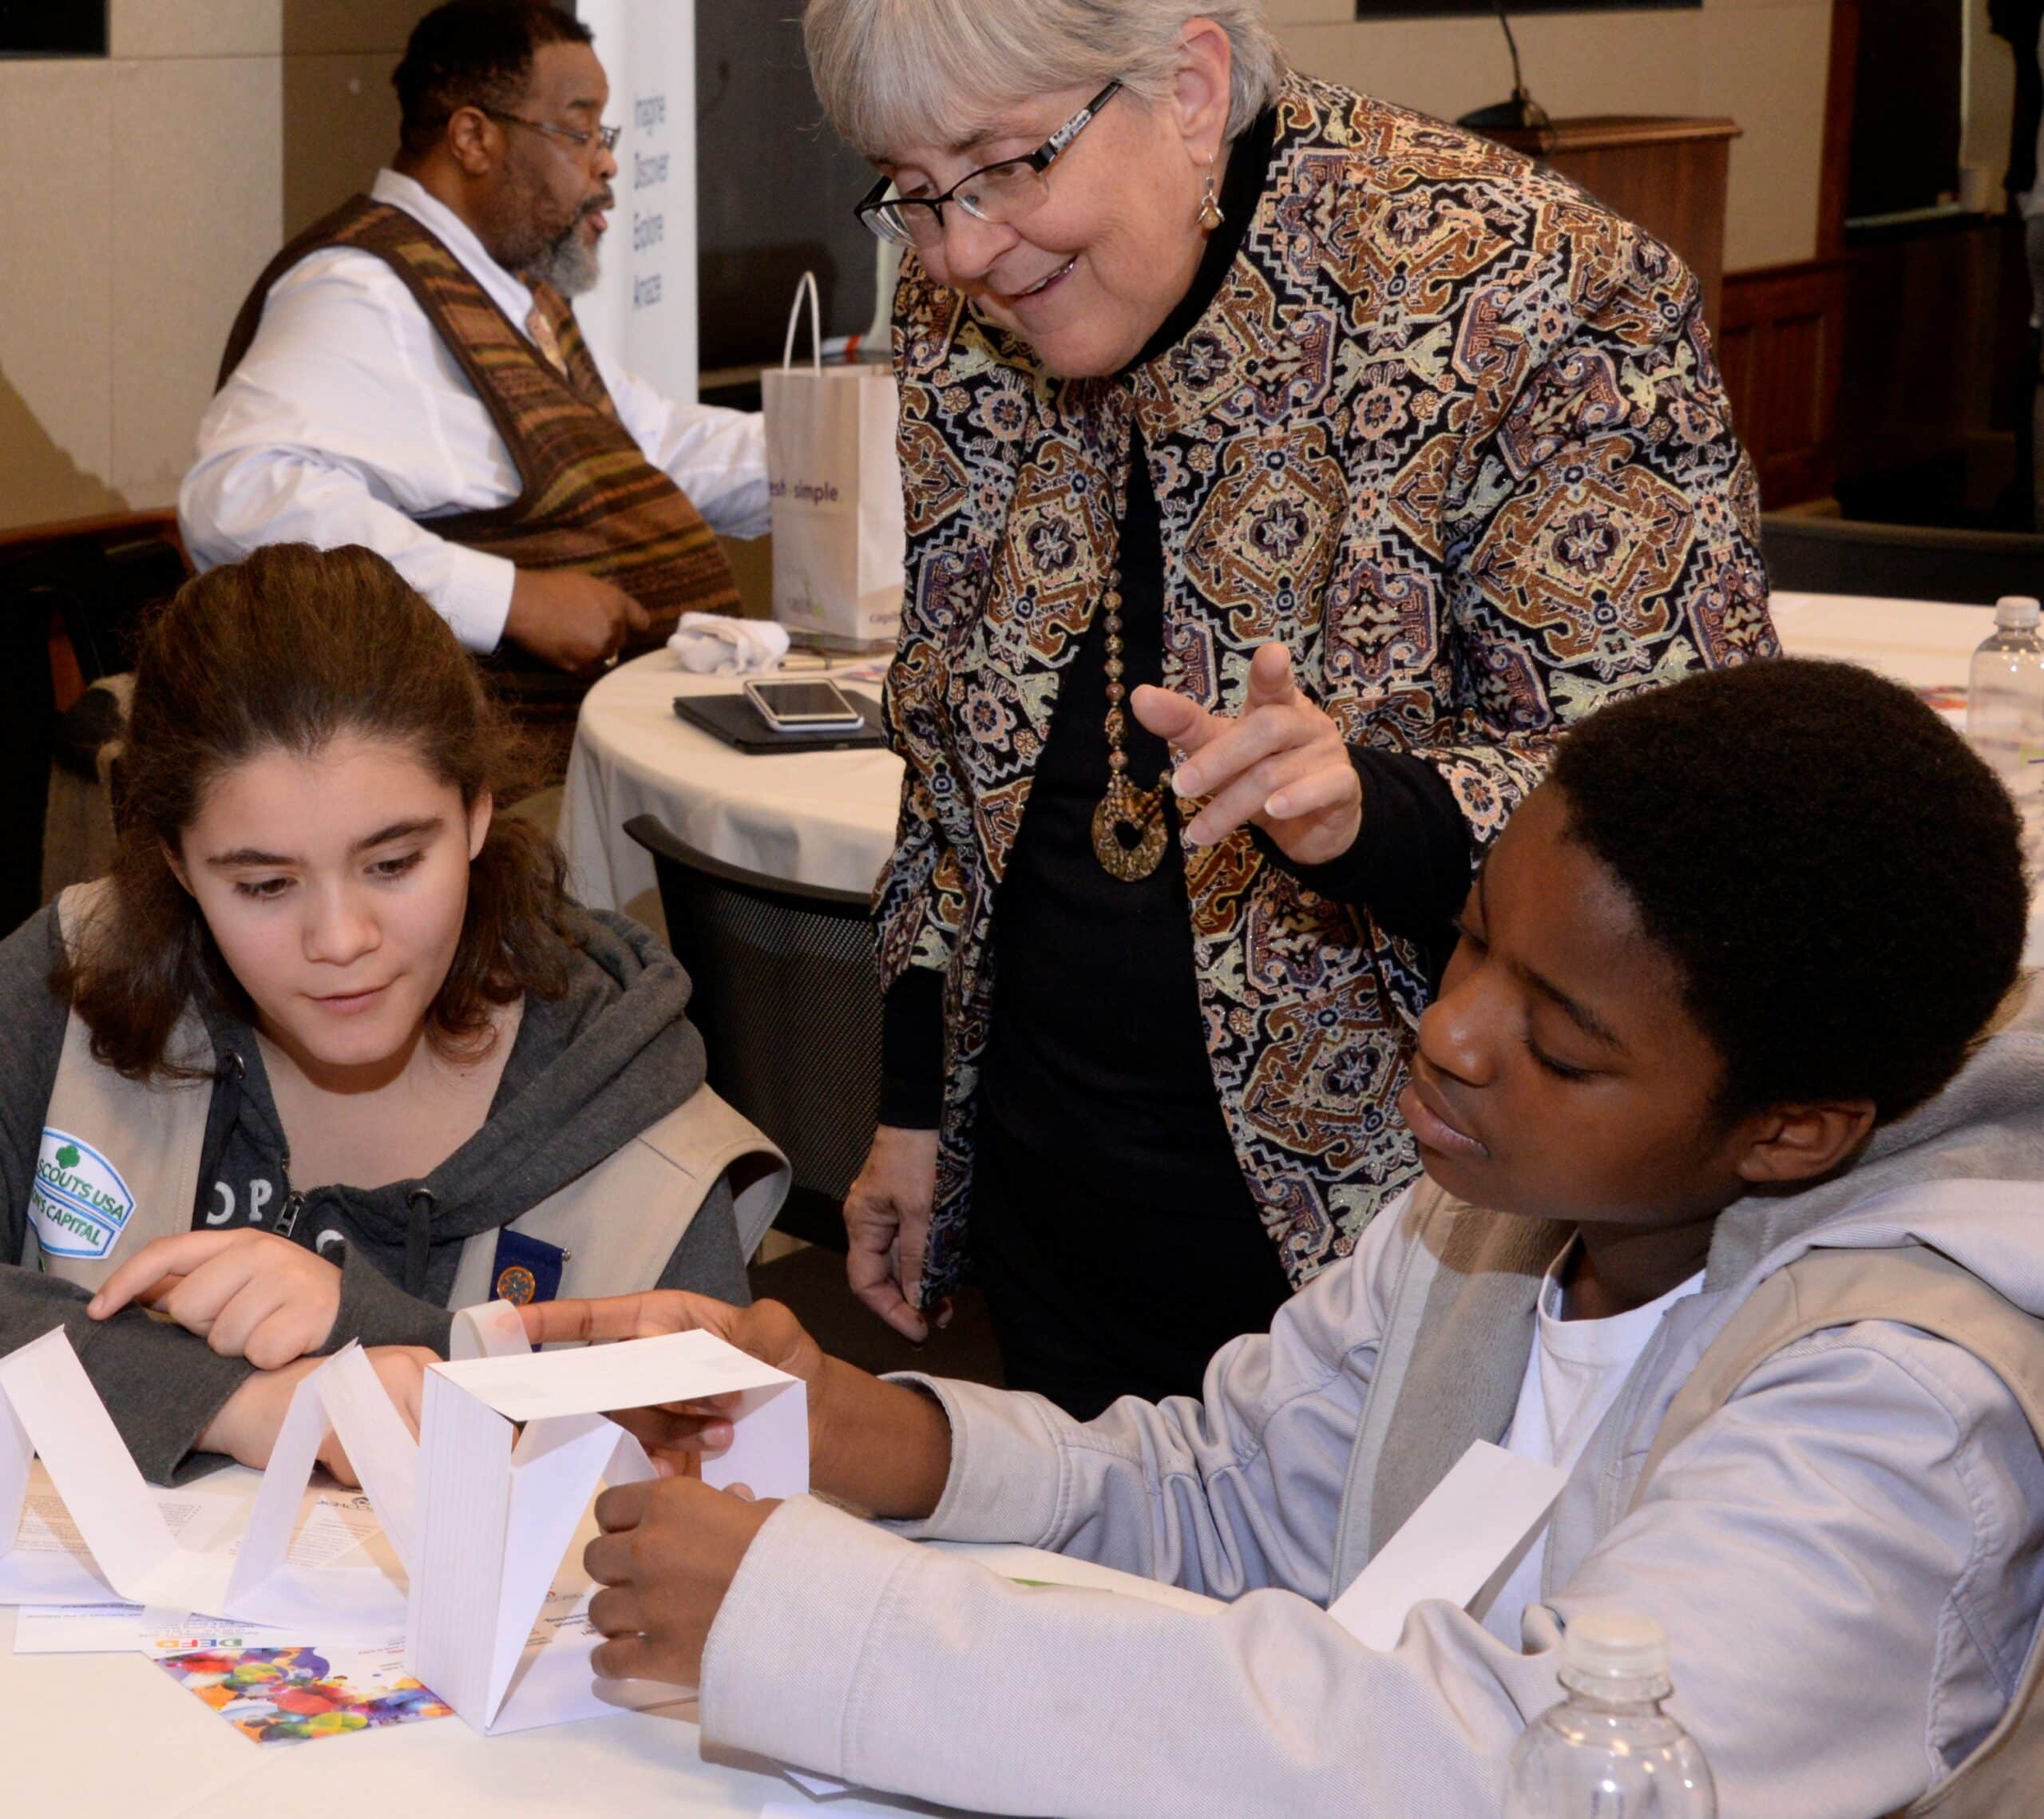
(1128, 834)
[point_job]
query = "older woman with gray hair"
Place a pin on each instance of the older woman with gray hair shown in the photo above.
(1284, 471)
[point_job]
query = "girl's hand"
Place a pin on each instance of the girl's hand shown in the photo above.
(248, 1294)
(1282, 763)
(246, 1428)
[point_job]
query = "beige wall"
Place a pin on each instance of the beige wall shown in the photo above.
(1762, 62)
(145, 190)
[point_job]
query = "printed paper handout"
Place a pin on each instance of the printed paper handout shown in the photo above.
(299, 1694)
(50, 1564)
(129, 1629)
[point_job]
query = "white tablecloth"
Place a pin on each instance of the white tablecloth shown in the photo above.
(818, 818)
(114, 1737)
(827, 817)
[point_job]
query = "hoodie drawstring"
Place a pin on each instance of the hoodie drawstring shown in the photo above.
(419, 1238)
(222, 1116)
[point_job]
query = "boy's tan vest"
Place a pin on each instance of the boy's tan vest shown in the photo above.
(120, 1161)
(1914, 1286)
(1457, 1376)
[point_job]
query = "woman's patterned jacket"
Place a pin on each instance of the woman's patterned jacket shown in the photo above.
(1451, 430)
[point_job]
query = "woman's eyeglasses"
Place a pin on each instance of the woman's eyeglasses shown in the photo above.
(1004, 192)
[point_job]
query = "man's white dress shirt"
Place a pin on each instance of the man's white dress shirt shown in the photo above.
(349, 417)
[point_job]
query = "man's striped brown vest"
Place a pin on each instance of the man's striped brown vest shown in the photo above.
(591, 499)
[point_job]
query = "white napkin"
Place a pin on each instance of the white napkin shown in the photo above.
(709, 644)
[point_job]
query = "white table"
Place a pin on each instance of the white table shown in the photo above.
(817, 818)
(1925, 644)
(113, 1736)
(827, 817)
(95, 1736)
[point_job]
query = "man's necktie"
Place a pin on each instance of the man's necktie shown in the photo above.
(548, 343)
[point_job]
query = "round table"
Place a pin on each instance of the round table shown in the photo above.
(816, 817)
(828, 818)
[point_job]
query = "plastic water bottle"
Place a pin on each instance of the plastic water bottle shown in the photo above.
(1608, 1750)
(2005, 713)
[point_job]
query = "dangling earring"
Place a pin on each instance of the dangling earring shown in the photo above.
(1210, 205)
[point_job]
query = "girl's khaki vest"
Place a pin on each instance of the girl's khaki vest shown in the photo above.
(120, 1161)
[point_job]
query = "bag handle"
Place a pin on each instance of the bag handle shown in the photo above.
(808, 285)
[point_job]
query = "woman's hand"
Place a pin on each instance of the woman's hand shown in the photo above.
(668, 1553)
(248, 1294)
(246, 1427)
(882, 1446)
(1281, 764)
(887, 1214)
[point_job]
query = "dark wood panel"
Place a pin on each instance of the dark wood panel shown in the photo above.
(1781, 345)
(1669, 175)
(1836, 175)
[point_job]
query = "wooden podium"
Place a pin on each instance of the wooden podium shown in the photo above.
(1669, 175)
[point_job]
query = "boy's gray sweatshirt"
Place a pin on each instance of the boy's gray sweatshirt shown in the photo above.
(588, 1072)
(1848, 1556)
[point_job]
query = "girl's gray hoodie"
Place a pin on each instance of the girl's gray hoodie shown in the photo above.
(588, 1072)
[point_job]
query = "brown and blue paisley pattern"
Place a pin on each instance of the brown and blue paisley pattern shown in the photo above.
(1451, 431)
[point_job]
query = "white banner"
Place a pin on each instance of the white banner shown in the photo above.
(643, 310)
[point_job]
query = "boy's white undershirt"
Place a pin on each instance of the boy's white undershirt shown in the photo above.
(1573, 1376)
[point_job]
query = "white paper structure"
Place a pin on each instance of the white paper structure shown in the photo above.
(489, 1329)
(344, 1397)
(50, 1409)
(1471, 1522)
(498, 1508)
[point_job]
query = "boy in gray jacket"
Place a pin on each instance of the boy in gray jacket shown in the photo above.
(1732, 1213)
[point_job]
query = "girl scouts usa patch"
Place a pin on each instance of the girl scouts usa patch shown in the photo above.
(79, 1203)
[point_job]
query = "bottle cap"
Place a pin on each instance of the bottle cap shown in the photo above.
(1613, 1654)
(2015, 612)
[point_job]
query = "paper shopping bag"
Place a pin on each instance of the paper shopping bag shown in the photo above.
(836, 486)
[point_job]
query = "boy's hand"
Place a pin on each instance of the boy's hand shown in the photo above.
(667, 1554)
(677, 1433)
(882, 1446)
(248, 1294)
(246, 1428)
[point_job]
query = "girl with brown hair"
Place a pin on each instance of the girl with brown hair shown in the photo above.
(331, 1051)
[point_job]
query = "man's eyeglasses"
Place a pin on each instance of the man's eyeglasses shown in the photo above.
(606, 135)
(1003, 193)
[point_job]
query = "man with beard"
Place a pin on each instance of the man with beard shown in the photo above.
(408, 374)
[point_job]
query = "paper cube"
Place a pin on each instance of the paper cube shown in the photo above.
(498, 1507)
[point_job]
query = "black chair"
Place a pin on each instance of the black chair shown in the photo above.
(1851, 555)
(787, 998)
(97, 581)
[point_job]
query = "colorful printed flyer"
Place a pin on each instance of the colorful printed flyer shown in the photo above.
(297, 1695)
